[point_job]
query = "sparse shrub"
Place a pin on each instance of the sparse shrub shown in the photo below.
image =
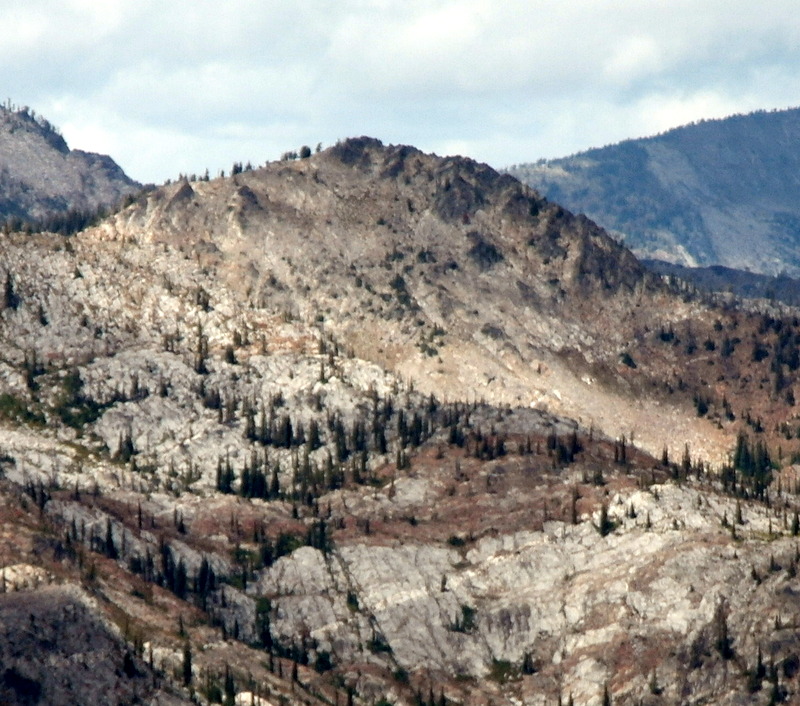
(502, 671)
(401, 675)
(12, 407)
(323, 662)
(467, 622)
(287, 543)
(352, 601)
(484, 253)
(398, 284)
(378, 644)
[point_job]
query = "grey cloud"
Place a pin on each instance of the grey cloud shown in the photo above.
(506, 81)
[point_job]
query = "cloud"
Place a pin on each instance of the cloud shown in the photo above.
(195, 83)
(635, 58)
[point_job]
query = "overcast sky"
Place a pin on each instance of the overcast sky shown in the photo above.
(169, 86)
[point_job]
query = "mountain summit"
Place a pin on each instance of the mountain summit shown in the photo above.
(717, 192)
(424, 265)
(41, 176)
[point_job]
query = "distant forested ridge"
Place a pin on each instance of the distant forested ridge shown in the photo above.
(718, 192)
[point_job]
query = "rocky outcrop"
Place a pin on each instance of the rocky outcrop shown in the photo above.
(334, 430)
(566, 605)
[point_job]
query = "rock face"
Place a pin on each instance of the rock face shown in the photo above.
(562, 609)
(41, 177)
(719, 192)
(376, 426)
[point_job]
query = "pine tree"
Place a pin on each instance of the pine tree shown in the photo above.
(724, 643)
(528, 666)
(606, 696)
(201, 352)
(10, 298)
(187, 664)
(574, 505)
(229, 688)
(606, 525)
(655, 689)
(180, 582)
(686, 461)
(110, 550)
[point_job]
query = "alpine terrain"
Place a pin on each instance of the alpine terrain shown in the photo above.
(42, 180)
(378, 427)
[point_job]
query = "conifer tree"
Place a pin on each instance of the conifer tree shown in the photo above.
(186, 670)
(10, 298)
(201, 352)
(606, 696)
(724, 643)
(229, 688)
(606, 524)
(110, 549)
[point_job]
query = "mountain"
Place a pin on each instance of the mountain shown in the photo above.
(739, 283)
(718, 192)
(424, 266)
(41, 177)
(381, 427)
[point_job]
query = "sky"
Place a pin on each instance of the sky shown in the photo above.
(180, 86)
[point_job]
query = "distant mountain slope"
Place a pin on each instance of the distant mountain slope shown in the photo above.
(718, 278)
(40, 175)
(719, 192)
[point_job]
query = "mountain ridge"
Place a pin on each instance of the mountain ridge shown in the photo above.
(41, 177)
(714, 192)
(413, 262)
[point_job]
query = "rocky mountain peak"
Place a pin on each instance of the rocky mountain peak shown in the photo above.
(463, 214)
(419, 263)
(23, 119)
(40, 177)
